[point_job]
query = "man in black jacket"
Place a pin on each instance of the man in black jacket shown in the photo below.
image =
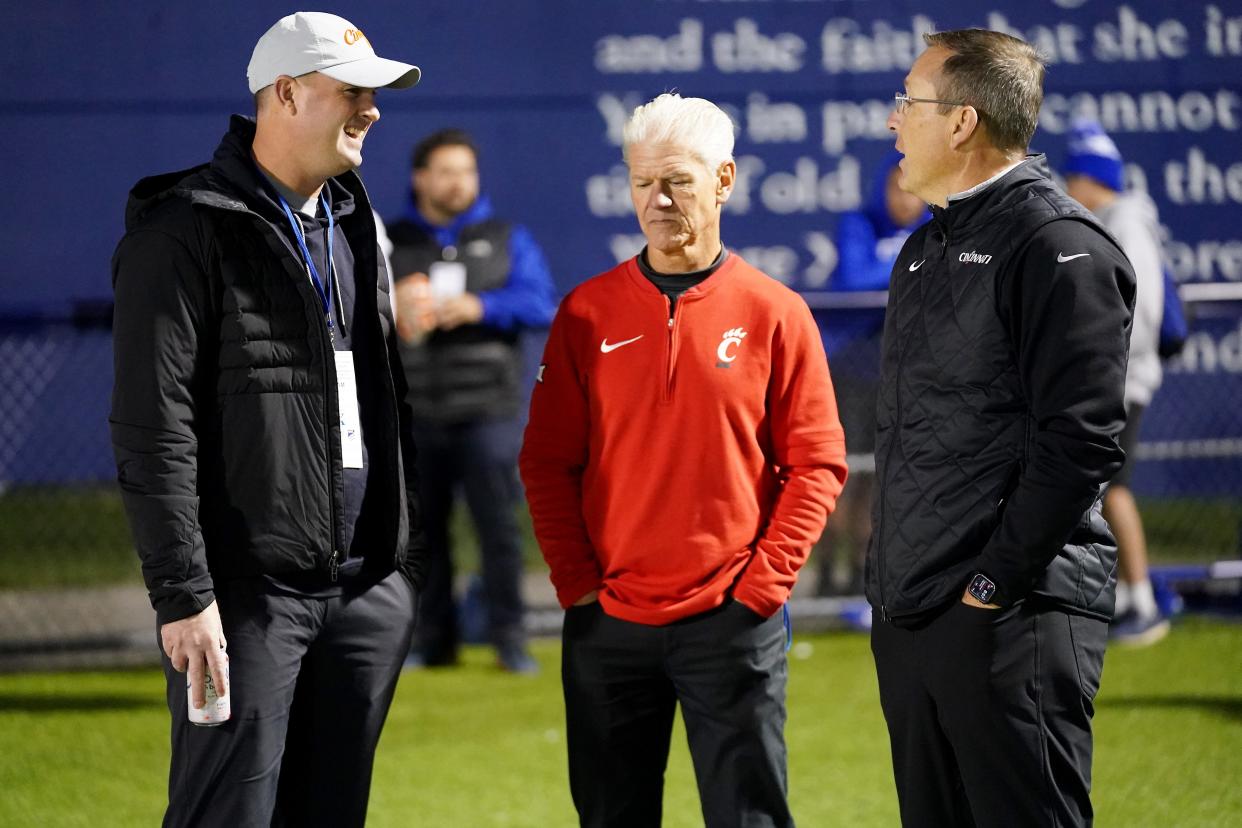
(263, 444)
(991, 570)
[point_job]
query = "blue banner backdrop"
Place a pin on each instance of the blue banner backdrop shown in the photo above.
(99, 96)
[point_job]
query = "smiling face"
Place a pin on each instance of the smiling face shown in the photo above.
(923, 133)
(677, 200)
(332, 122)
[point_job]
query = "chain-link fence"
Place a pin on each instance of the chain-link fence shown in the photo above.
(70, 582)
(67, 569)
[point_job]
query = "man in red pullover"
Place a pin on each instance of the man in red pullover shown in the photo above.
(682, 456)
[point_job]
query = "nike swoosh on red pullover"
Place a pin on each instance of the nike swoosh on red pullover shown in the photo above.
(695, 463)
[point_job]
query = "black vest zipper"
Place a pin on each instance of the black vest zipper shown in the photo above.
(901, 353)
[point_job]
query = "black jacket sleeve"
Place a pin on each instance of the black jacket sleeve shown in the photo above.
(160, 325)
(1069, 317)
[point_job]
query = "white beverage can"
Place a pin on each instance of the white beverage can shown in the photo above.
(217, 709)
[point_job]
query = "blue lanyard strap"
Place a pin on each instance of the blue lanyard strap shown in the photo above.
(323, 288)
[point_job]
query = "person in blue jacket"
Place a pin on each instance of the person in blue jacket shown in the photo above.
(868, 241)
(467, 285)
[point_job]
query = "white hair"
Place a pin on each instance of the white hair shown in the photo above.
(696, 124)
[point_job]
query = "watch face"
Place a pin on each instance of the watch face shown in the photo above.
(982, 589)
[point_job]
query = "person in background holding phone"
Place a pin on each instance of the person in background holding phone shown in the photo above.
(468, 284)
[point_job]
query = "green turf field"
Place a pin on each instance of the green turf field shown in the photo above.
(52, 536)
(77, 536)
(474, 747)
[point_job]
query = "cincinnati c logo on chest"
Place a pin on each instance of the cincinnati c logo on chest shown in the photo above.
(730, 343)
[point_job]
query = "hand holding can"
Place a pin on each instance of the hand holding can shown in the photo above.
(196, 645)
(217, 705)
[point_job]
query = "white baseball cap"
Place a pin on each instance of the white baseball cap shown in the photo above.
(318, 42)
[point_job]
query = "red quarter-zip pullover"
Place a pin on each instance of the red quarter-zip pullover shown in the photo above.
(671, 463)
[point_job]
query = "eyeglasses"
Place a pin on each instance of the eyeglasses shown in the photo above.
(902, 101)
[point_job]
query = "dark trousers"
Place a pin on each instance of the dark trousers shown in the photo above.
(481, 459)
(622, 683)
(989, 715)
(311, 682)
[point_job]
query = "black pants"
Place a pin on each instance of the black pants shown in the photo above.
(311, 681)
(481, 458)
(622, 684)
(989, 715)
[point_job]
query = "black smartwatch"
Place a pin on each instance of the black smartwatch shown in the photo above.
(982, 588)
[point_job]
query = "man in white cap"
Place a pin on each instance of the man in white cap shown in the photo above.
(262, 441)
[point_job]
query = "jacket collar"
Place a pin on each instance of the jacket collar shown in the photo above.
(982, 203)
(719, 275)
(234, 164)
(231, 181)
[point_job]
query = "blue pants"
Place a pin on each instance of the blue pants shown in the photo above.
(480, 460)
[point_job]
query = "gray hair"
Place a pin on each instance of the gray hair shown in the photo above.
(696, 124)
(1001, 76)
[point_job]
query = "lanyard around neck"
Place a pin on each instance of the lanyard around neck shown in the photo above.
(324, 288)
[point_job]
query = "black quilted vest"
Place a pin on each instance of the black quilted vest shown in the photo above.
(472, 372)
(953, 428)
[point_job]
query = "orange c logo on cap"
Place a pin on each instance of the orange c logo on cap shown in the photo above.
(352, 36)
